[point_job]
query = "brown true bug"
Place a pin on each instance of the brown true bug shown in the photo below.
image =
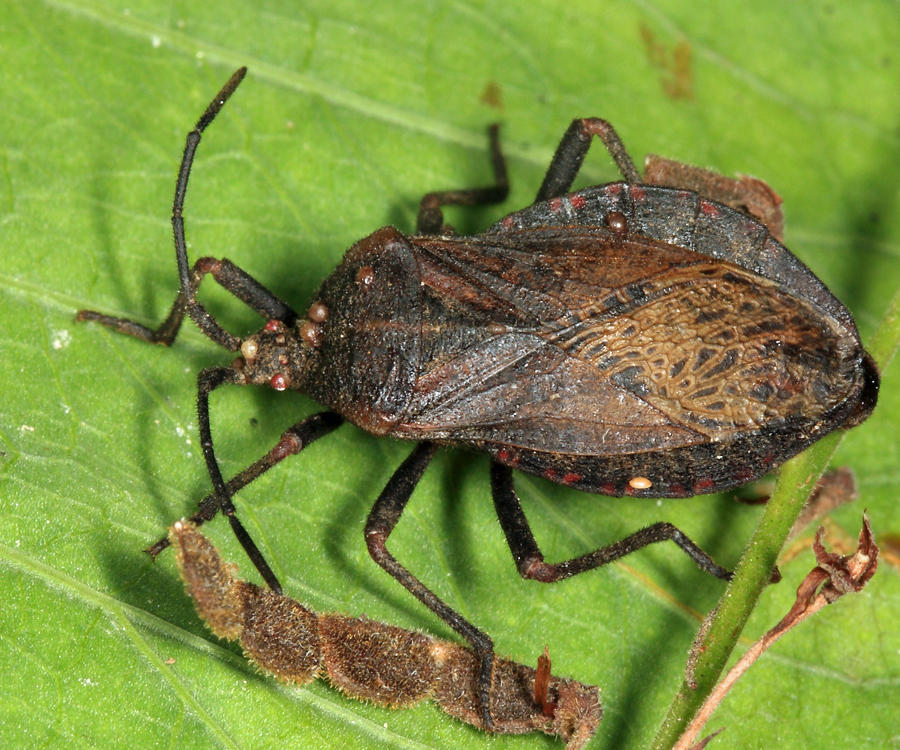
(626, 339)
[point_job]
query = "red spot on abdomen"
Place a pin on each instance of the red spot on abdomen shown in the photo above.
(702, 485)
(710, 209)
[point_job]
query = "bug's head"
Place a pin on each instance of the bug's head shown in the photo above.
(273, 356)
(357, 350)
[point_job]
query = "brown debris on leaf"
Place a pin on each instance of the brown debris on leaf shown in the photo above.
(373, 661)
(674, 62)
(833, 576)
(841, 574)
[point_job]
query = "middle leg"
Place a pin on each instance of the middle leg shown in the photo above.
(381, 522)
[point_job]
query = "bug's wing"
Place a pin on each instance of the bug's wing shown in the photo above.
(581, 344)
(517, 389)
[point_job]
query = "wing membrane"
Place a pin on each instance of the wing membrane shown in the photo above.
(582, 343)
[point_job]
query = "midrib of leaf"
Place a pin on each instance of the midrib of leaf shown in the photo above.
(289, 79)
(125, 616)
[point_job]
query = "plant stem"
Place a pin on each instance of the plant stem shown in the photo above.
(795, 482)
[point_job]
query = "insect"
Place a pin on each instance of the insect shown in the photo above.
(626, 339)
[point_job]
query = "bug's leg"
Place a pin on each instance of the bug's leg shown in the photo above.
(207, 381)
(431, 218)
(205, 322)
(293, 440)
(232, 278)
(571, 152)
(530, 561)
(379, 525)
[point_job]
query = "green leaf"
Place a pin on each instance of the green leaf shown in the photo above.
(349, 114)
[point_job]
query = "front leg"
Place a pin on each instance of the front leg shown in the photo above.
(293, 440)
(230, 277)
(208, 380)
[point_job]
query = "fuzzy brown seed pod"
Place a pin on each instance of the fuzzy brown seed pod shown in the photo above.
(373, 661)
